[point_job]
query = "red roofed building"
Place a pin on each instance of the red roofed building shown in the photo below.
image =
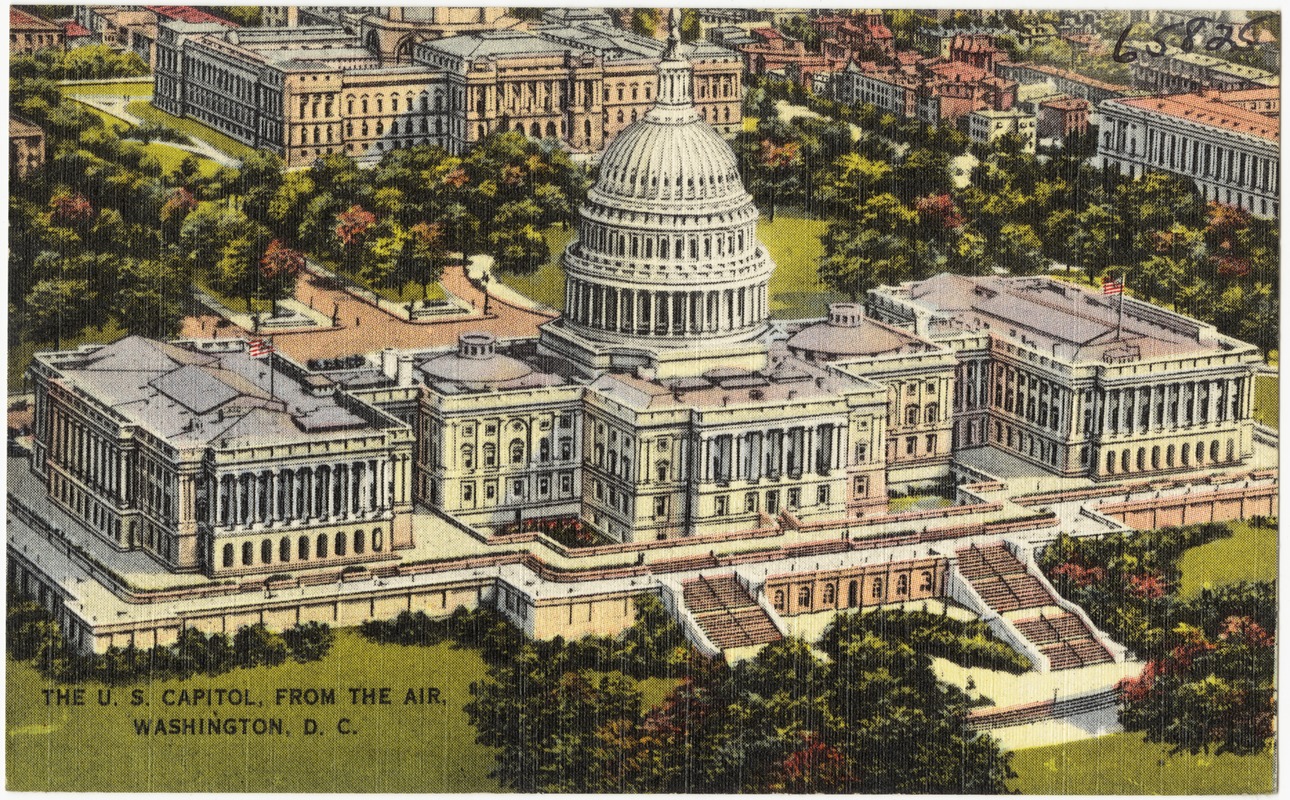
(29, 33)
(1060, 117)
(771, 50)
(860, 36)
(1231, 149)
(187, 14)
(76, 35)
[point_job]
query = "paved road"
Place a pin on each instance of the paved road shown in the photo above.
(364, 329)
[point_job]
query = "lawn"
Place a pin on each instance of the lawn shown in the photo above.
(793, 243)
(142, 88)
(395, 748)
(795, 288)
(1267, 399)
(547, 284)
(146, 111)
(1249, 554)
(1123, 764)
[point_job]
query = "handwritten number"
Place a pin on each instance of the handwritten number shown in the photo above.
(1122, 55)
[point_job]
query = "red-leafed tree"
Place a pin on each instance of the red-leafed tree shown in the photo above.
(815, 767)
(279, 267)
(70, 208)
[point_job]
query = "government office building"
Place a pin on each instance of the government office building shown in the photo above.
(312, 91)
(1229, 143)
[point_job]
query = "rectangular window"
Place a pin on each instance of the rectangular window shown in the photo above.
(772, 501)
(931, 444)
(468, 492)
(566, 484)
(490, 491)
(861, 486)
(911, 445)
(822, 495)
(660, 507)
(794, 497)
(721, 506)
(750, 502)
(544, 486)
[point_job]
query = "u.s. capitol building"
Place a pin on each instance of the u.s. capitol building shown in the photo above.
(662, 406)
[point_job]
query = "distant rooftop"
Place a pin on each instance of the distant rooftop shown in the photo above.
(19, 19)
(1208, 108)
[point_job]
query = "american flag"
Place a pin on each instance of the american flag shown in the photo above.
(259, 348)
(1112, 286)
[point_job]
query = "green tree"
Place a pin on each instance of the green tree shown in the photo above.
(515, 242)
(58, 309)
(151, 297)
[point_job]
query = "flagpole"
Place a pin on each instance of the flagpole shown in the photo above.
(274, 396)
(1119, 323)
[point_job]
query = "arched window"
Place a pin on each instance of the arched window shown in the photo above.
(1213, 450)
(931, 412)
(911, 415)
(359, 544)
(852, 594)
(902, 585)
(877, 589)
(830, 595)
(321, 547)
(925, 585)
(1110, 462)
(228, 555)
(1200, 452)
(490, 455)
(517, 451)
(779, 600)
(378, 540)
(661, 469)
(302, 548)
(284, 549)
(340, 543)
(467, 457)
(544, 450)
(248, 554)
(266, 551)
(804, 597)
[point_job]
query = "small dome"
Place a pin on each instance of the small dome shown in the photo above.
(476, 364)
(848, 332)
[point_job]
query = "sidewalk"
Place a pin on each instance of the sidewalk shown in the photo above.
(479, 268)
(110, 104)
(455, 308)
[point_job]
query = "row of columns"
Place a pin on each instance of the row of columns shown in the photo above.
(773, 453)
(1182, 403)
(92, 458)
(359, 487)
(667, 313)
(1039, 399)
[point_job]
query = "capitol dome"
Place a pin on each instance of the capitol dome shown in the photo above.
(666, 252)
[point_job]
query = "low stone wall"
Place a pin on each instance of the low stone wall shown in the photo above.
(1240, 502)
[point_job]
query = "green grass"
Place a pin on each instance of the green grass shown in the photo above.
(546, 285)
(919, 502)
(795, 288)
(397, 748)
(146, 111)
(411, 291)
(118, 88)
(1249, 554)
(793, 243)
(1123, 764)
(1267, 399)
(170, 157)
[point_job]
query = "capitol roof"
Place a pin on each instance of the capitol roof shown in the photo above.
(191, 396)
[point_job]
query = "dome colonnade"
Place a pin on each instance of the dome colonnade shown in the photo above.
(667, 244)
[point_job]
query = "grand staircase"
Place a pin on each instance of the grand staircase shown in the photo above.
(1004, 584)
(727, 614)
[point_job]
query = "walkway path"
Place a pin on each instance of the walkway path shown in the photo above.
(362, 328)
(114, 105)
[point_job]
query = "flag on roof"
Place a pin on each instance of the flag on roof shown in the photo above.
(259, 348)
(1112, 286)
